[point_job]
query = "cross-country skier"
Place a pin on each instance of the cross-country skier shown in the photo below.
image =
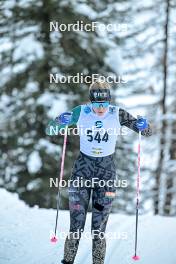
(99, 119)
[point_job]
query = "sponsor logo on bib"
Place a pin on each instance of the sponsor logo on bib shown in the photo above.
(99, 124)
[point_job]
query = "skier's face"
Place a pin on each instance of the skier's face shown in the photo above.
(100, 108)
(100, 111)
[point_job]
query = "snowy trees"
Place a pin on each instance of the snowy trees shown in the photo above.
(150, 67)
(164, 189)
(143, 54)
(30, 52)
(169, 170)
(163, 109)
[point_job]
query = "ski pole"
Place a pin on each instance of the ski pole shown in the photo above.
(54, 238)
(136, 257)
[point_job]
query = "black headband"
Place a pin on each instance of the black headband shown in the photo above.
(99, 95)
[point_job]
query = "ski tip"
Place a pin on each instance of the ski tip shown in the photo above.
(136, 257)
(53, 239)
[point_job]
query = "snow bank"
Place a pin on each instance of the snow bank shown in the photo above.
(25, 234)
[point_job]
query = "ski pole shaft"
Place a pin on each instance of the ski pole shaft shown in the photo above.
(61, 176)
(136, 233)
(135, 257)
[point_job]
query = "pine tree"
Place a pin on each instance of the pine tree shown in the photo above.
(32, 52)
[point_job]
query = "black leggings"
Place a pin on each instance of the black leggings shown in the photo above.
(85, 168)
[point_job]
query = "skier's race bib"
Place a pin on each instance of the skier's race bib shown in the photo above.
(98, 134)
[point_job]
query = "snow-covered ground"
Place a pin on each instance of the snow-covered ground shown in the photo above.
(25, 236)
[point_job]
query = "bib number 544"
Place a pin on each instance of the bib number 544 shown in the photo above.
(98, 137)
